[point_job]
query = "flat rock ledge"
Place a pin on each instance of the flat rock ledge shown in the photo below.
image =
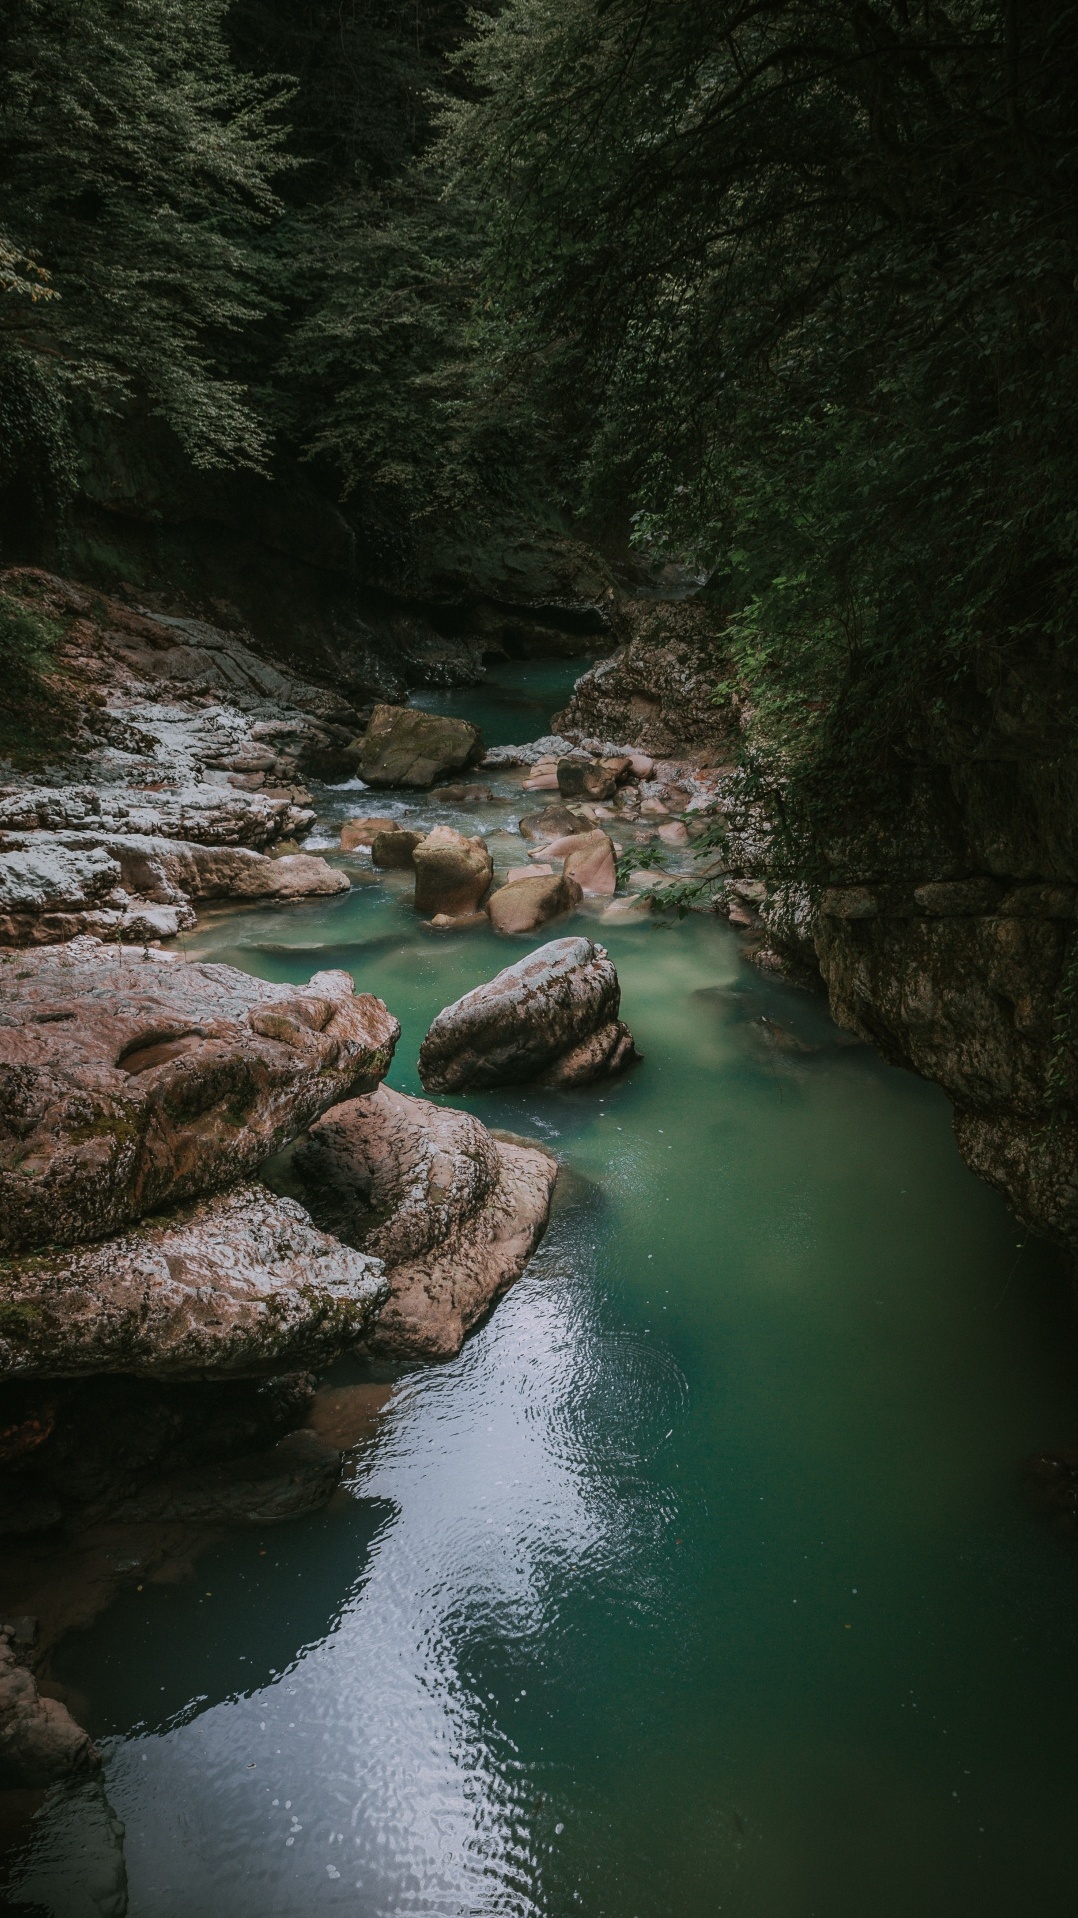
(238, 1285)
(132, 1082)
(551, 1019)
(454, 1213)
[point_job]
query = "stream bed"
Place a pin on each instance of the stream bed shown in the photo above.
(699, 1582)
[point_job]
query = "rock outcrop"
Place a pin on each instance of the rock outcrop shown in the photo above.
(452, 1212)
(658, 691)
(406, 747)
(127, 1084)
(236, 1285)
(551, 1018)
(40, 1742)
(452, 872)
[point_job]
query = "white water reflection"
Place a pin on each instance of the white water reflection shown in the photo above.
(376, 1764)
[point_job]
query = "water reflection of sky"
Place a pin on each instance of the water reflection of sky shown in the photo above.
(386, 1758)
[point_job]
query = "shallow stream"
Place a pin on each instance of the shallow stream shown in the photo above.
(699, 1582)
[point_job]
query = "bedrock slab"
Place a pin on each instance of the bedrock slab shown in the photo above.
(552, 1018)
(128, 1083)
(238, 1285)
(453, 1212)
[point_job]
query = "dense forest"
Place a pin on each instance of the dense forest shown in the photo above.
(785, 287)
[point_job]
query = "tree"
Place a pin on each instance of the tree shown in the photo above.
(813, 263)
(135, 170)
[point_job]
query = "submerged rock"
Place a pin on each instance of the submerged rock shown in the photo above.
(552, 1018)
(131, 1083)
(406, 747)
(453, 1213)
(363, 831)
(554, 822)
(240, 1284)
(452, 872)
(529, 903)
(39, 1740)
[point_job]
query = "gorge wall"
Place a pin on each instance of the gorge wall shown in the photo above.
(944, 928)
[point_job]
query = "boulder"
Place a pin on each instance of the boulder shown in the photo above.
(363, 832)
(462, 795)
(532, 902)
(590, 859)
(554, 822)
(236, 1285)
(406, 747)
(391, 850)
(674, 833)
(453, 1213)
(584, 779)
(127, 1084)
(452, 873)
(559, 1006)
(39, 1740)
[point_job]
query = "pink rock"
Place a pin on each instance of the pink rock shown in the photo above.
(541, 783)
(641, 766)
(516, 873)
(674, 833)
(591, 863)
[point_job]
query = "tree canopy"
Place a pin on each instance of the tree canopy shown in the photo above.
(813, 264)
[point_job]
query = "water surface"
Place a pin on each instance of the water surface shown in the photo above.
(698, 1582)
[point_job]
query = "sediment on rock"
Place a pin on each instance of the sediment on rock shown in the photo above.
(453, 1213)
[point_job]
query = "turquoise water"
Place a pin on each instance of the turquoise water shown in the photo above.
(515, 700)
(698, 1583)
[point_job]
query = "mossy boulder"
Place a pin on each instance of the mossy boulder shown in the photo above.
(405, 747)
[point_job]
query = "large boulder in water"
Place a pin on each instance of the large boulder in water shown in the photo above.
(238, 1285)
(523, 905)
(452, 1212)
(551, 1019)
(405, 747)
(131, 1082)
(452, 872)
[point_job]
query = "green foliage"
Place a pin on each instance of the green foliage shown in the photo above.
(35, 713)
(134, 166)
(813, 265)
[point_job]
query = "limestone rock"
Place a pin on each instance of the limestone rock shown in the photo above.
(392, 849)
(532, 902)
(235, 1285)
(127, 1084)
(212, 815)
(531, 1019)
(50, 878)
(453, 1213)
(452, 872)
(406, 747)
(39, 1740)
(657, 691)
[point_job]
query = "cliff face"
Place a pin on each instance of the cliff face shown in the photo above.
(945, 929)
(950, 938)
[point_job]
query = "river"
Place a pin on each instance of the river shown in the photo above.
(699, 1582)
